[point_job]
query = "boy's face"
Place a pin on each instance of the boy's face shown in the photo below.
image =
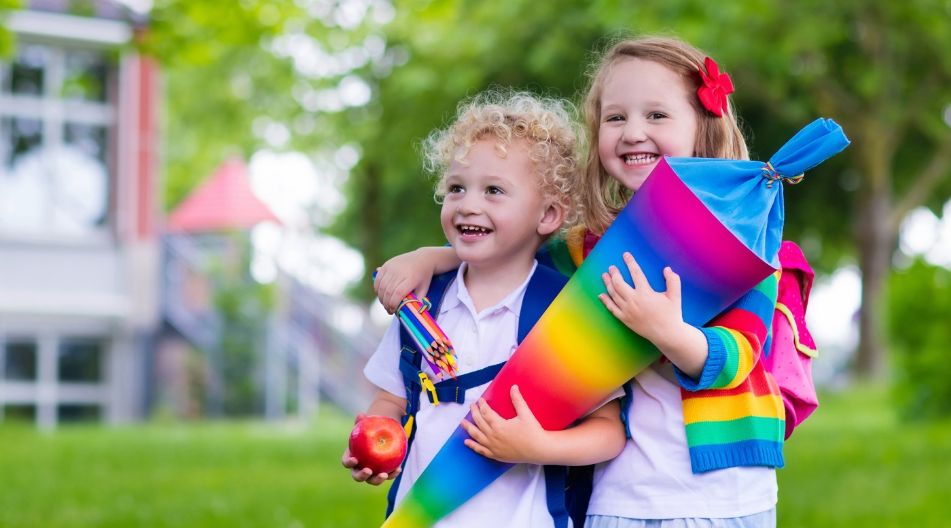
(494, 211)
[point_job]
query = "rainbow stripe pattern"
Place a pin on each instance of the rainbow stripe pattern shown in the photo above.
(578, 353)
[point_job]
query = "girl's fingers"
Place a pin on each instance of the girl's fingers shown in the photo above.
(637, 274)
(424, 287)
(378, 280)
(609, 304)
(610, 287)
(673, 284)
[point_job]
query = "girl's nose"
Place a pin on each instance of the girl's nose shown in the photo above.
(633, 132)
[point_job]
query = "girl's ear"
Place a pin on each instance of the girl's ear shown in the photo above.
(552, 218)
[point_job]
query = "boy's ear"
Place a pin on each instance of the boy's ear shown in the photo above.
(552, 218)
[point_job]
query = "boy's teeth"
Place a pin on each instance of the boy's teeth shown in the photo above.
(473, 229)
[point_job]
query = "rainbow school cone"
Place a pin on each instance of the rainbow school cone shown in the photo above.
(717, 223)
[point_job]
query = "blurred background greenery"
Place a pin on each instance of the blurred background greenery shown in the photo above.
(356, 84)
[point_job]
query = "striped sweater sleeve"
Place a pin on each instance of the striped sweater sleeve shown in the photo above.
(735, 339)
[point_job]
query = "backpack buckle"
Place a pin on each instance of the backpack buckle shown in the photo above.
(428, 386)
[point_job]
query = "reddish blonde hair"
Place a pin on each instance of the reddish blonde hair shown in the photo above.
(602, 197)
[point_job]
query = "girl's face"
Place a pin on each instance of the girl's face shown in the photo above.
(645, 114)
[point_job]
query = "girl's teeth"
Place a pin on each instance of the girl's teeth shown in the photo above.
(639, 159)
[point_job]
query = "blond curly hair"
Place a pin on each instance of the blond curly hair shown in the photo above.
(547, 124)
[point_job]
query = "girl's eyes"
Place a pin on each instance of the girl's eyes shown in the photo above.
(656, 115)
(455, 188)
(492, 189)
(613, 118)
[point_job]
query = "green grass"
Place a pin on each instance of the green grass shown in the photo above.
(852, 464)
(207, 475)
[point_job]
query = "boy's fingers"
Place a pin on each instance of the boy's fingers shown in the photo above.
(474, 433)
(518, 402)
(478, 448)
(478, 419)
(488, 413)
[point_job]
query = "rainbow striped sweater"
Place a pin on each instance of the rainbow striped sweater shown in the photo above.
(733, 413)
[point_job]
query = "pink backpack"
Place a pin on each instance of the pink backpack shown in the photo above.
(792, 348)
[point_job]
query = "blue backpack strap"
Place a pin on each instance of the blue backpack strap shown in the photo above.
(543, 287)
(410, 362)
(454, 390)
(626, 402)
(556, 482)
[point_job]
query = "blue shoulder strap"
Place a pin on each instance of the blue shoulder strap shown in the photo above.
(543, 287)
(410, 362)
(541, 290)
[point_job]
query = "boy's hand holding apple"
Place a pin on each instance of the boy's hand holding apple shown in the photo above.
(376, 449)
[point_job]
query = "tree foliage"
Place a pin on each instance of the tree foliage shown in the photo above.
(879, 68)
(919, 304)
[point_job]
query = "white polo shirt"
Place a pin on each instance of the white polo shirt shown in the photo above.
(515, 499)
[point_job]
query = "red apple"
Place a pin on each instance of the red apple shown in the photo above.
(378, 443)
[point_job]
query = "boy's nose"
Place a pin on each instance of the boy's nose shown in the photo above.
(469, 205)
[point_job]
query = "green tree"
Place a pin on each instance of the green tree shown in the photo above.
(879, 68)
(242, 76)
(921, 297)
(6, 38)
(235, 83)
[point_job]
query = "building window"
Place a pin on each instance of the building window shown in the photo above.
(19, 413)
(78, 413)
(19, 360)
(57, 110)
(81, 360)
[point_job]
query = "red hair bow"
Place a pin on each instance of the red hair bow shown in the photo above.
(716, 86)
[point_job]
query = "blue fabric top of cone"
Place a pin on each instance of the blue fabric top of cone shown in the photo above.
(746, 195)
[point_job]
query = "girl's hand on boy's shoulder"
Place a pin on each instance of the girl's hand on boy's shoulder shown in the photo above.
(649, 313)
(516, 440)
(399, 276)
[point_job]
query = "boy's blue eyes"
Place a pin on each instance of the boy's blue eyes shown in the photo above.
(492, 189)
